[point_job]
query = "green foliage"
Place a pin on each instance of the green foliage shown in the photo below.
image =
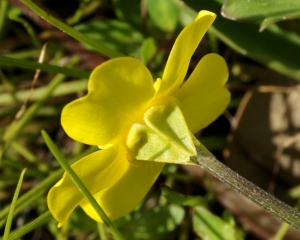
(211, 227)
(275, 47)
(129, 11)
(154, 223)
(180, 199)
(148, 50)
(116, 35)
(266, 11)
(164, 14)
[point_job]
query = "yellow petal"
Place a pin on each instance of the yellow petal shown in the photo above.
(97, 171)
(203, 97)
(125, 195)
(119, 91)
(182, 51)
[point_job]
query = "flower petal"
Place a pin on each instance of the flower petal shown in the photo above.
(203, 97)
(125, 195)
(182, 51)
(97, 171)
(119, 91)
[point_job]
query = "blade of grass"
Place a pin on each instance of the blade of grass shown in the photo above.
(82, 188)
(9, 86)
(16, 127)
(30, 172)
(29, 156)
(3, 9)
(12, 207)
(87, 9)
(72, 32)
(36, 192)
(22, 63)
(63, 89)
(29, 29)
(101, 230)
(282, 231)
(247, 189)
(20, 232)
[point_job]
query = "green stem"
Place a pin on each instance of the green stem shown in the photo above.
(12, 207)
(72, 32)
(82, 188)
(246, 188)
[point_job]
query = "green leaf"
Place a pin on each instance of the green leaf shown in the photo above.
(116, 35)
(154, 222)
(164, 14)
(211, 227)
(148, 50)
(129, 11)
(274, 47)
(180, 199)
(267, 11)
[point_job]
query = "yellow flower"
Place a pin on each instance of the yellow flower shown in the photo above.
(139, 125)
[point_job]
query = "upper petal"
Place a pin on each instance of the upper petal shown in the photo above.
(203, 97)
(97, 171)
(124, 196)
(182, 51)
(118, 92)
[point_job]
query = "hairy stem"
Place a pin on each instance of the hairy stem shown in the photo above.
(246, 188)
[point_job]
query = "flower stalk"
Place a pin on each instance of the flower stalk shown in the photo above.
(247, 189)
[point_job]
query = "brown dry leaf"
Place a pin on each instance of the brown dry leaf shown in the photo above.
(263, 148)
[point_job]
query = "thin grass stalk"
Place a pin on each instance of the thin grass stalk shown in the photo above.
(12, 207)
(81, 187)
